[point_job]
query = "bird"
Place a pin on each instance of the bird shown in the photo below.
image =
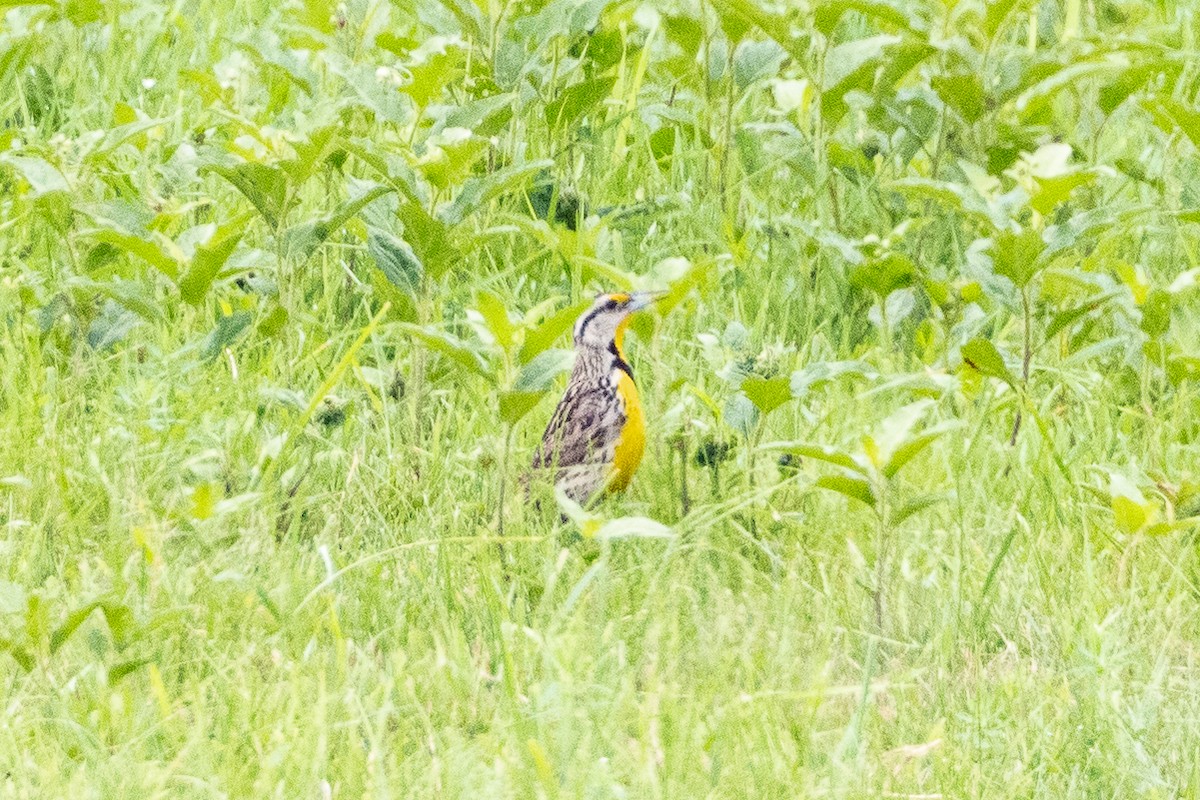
(597, 434)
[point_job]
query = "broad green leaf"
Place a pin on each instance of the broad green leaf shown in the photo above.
(1056, 189)
(63, 632)
(1070, 75)
(380, 98)
(884, 275)
(830, 11)
(822, 372)
(450, 346)
(21, 655)
(155, 249)
(909, 448)
(396, 260)
(539, 374)
(549, 329)
(754, 61)
(514, 405)
(577, 100)
(914, 506)
(1167, 113)
(741, 414)
(744, 13)
(209, 258)
(982, 355)
(124, 669)
(1156, 313)
(895, 430)
(768, 394)
(42, 176)
(1129, 505)
(851, 66)
(263, 185)
(478, 191)
(300, 241)
(850, 485)
(963, 92)
(1065, 319)
(953, 196)
(1015, 255)
(820, 452)
(494, 313)
(997, 12)
(229, 328)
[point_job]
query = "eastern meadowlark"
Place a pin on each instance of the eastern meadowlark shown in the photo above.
(595, 438)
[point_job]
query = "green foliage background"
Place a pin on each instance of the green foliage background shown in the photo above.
(286, 293)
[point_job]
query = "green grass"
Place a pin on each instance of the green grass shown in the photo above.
(263, 532)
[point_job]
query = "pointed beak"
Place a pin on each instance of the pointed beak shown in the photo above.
(640, 300)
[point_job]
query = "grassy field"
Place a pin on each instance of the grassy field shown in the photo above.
(286, 298)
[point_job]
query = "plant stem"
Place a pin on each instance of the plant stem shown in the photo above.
(1027, 355)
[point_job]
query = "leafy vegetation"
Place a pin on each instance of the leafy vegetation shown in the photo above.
(287, 292)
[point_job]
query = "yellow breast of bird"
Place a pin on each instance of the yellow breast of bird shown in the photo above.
(627, 454)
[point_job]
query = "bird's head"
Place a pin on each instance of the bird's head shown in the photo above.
(604, 323)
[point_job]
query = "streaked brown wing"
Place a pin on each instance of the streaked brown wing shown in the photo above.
(586, 421)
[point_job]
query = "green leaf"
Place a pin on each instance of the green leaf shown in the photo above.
(22, 656)
(1034, 97)
(380, 98)
(1015, 255)
(209, 259)
(429, 238)
(63, 632)
(997, 12)
(1129, 505)
(1056, 189)
(263, 185)
(829, 12)
(754, 61)
(478, 191)
(895, 430)
(229, 328)
(515, 405)
(850, 485)
(963, 92)
(539, 374)
(549, 329)
(851, 66)
(42, 176)
(818, 374)
(303, 239)
(1065, 319)
(953, 196)
(819, 452)
(982, 355)
(396, 260)
(914, 506)
(741, 14)
(494, 313)
(1156, 313)
(577, 100)
(909, 448)
(120, 671)
(768, 394)
(452, 347)
(155, 249)
(741, 414)
(882, 276)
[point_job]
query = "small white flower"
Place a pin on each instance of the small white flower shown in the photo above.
(149, 83)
